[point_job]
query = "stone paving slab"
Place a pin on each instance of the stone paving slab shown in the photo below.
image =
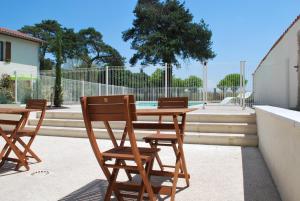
(69, 171)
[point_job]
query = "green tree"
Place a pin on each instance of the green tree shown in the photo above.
(230, 81)
(58, 93)
(45, 30)
(93, 50)
(163, 32)
(193, 81)
(177, 82)
(157, 78)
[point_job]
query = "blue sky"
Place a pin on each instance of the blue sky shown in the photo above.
(242, 29)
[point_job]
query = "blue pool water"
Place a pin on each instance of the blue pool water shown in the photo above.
(153, 104)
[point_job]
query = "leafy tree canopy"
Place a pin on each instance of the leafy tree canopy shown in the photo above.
(230, 81)
(163, 31)
(45, 30)
(86, 45)
(92, 49)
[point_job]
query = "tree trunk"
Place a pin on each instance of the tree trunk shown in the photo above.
(58, 93)
(298, 70)
(169, 79)
(89, 64)
(58, 88)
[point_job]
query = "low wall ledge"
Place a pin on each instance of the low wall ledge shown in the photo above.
(291, 116)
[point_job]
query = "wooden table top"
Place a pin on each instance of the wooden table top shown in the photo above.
(157, 111)
(16, 110)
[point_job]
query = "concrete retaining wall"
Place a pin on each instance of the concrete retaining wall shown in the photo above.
(279, 143)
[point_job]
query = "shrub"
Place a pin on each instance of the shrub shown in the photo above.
(6, 89)
(6, 96)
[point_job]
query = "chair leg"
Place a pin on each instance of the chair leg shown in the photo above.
(4, 150)
(2, 157)
(111, 186)
(8, 150)
(18, 153)
(175, 179)
(161, 166)
(148, 168)
(27, 149)
(176, 153)
(147, 184)
(141, 192)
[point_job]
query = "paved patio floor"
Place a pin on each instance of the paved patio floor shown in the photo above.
(69, 171)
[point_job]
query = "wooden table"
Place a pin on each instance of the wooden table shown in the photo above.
(179, 129)
(10, 138)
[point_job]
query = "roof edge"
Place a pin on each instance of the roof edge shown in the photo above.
(277, 42)
(20, 35)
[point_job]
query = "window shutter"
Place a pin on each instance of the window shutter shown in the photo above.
(8, 51)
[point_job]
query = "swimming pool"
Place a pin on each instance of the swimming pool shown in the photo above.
(153, 104)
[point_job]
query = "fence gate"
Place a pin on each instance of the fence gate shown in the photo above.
(232, 89)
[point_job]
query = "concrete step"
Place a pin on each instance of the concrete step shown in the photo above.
(190, 126)
(191, 117)
(190, 137)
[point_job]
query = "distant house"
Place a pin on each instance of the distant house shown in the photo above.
(275, 79)
(19, 53)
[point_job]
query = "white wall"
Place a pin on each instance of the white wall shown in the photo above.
(275, 81)
(24, 57)
(279, 143)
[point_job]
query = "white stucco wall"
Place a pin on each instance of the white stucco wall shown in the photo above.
(275, 81)
(279, 143)
(24, 57)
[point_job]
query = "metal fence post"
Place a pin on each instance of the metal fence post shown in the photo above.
(99, 89)
(16, 87)
(166, 80)
(204, 84)
(31, 86)
(242, 84)
(106, 82)
(82, 88)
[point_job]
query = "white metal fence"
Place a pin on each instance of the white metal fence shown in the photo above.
(74, 89)
(230, 89)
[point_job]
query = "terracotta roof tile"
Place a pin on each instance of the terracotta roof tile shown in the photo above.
(19, 34)
(278, 40)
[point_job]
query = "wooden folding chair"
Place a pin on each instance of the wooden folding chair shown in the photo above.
(159, 139)
(38, 104)
(119, 108)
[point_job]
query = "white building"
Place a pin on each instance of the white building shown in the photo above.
(19, 53)
(275, 79)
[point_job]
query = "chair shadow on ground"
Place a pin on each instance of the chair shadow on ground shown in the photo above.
(96, 190)
(158, 181)
(258, 183)
(9, 169)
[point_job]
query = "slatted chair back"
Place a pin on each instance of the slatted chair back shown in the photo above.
(38, 104)
(105, 109)
(110, 108)
(174, 102)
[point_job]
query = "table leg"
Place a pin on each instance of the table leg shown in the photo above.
(180, 149)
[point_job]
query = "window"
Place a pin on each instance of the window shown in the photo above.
(1, 51)
(8, 51)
